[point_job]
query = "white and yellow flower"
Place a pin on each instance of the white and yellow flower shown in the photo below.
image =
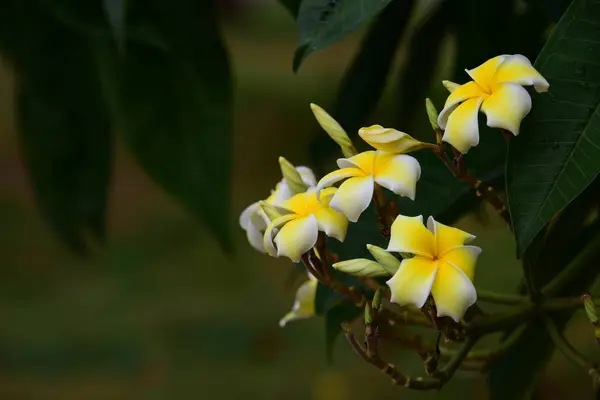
(304, 304)
(304, 216)
(390, 140)
(396, 172)
(497, 90)
(254, 221)
(442, 266)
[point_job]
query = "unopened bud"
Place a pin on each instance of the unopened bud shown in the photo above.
(377, 300)
(432, 114)
(385, 259)
(269, 210)
(450, 86)
(590, 308)
(292, 176)
(368, 314)
(361, 267)
(334, 130)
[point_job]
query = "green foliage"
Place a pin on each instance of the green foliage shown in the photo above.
(173, 108)
(557, 154)
(321, 23)
(64, 130)
(364, 81)
(116, 12)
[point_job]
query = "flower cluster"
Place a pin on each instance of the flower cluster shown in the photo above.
(426, 262)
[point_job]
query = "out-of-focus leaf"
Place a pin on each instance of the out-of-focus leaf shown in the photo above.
(321, 23)
(173, 106)
(422, 59)
(116, 13)
(292, 6)
(365, 79)
(557, 154)
(346, 311)
(64, 131)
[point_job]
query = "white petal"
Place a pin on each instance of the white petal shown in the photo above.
(452, 291)
(518, 69)
(255, 237)
(271, 229)
(336, 176)
(398, 173)
(304, 304)
(308, 177)
(412, 282)
(462, 130)
(297, 237)
(353, 197)
(507, 106)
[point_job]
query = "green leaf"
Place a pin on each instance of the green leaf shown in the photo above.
(64, 131)
(343, 312)
(365, 80)
(293, 6)
(116, 12)
(173, 106)
(557, 154)
(321, 23)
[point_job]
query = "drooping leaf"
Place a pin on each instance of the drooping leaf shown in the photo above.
(63, 126)
(292, 6)
(422, 60)
(173, 105)
(116, 13)
(346, 311)
(557, 154)
(366, 77)
(321, 23)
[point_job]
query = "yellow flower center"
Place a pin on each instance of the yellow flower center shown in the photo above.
(305, 204)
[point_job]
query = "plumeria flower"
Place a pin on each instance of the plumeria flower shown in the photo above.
(441, 266)
(396, 172)
(390, 140)
(497, 90)
(304, 305)
(304, 216)
(254, 221)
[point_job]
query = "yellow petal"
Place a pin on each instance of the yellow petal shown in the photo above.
(302, 203)
(484, 75)
(507, 107)
(304, 305)
(409, 235)
(447, 237)
(338, 175)
(353, 197)
(268, 236)
(389, 140)
(452, 291)
(464, 258)
(464, 92)
(364, 161)
(297, 237)
(462, 130)
(518, 69)
(398, 173)
(411, 284)
(332, 222)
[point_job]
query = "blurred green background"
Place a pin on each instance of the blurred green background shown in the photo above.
(161, 312)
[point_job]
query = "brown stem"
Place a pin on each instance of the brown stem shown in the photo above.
(483, 190)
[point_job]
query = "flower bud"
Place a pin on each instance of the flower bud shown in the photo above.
(361, 267)
(269, 210)
(334, 130)
(385, 259)
(390, 140)
(292, 176)
(376, 304)
(432, 114)
(450, 86)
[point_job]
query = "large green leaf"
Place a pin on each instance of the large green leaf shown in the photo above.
(173, 105)
(64, 130)
(557, 154)
(321, 23)
(366, 77)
